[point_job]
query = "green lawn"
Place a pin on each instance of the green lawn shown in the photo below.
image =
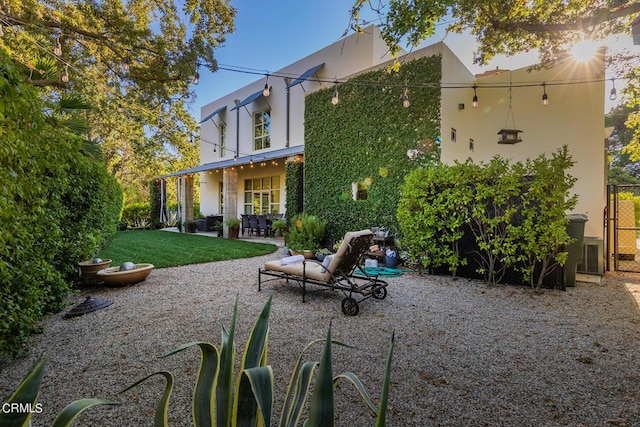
(167, 249)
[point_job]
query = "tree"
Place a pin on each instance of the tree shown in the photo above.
(508, 27)
(622, 169)
(132, 61)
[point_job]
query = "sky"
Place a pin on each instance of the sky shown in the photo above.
(271, 34)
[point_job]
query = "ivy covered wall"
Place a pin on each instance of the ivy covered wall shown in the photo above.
(365, 139)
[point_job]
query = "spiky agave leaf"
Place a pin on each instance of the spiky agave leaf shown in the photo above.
(261, 380)
(255, 355)
(384, 398)
(204, 391)
(161, 418)
(322, 411)
(72, 410)
(26, 394)
(224, 388)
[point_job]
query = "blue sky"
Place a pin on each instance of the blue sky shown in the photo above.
(271, 34)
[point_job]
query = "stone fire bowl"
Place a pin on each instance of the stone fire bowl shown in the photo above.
(112, 276)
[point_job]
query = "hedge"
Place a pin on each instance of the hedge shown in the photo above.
(57, 207)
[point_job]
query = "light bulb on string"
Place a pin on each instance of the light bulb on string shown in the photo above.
(474, 101)
(125, 64)
(334, 98)
(196, 78)
(65, 75)
(57, 50)
(405, 98)
(1, 31)
(266, 91)
(545, 97)
(613, 94)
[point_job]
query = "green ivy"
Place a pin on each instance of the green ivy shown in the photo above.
(365, 138)
(294, 173)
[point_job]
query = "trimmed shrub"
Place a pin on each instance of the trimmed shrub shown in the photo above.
(136, 215)
(57, 207)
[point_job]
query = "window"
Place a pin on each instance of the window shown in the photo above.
(360, 190)
(453, 135)
(222, 129)
(262, 195)
(262, 130)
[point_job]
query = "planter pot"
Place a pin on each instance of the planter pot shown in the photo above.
(89, 270)
(233, 233)
(112, 276)
(306, 254)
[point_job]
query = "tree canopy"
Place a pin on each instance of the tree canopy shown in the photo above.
(133, 61)
(510, 27)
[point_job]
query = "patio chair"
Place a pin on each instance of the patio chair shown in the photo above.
(245, 223)
(335, 273)
(264, 225)
(253, 225)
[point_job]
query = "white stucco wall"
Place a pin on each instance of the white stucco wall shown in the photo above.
(343, 58)
(573, 117)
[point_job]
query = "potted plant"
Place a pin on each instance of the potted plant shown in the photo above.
(234, 227)
(217, 228)
(279, 227)
(305, 234)
(192, 226)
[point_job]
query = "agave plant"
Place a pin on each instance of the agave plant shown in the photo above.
(218, 402)
(23, 403)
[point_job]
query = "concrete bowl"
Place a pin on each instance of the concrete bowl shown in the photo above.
(112, 276)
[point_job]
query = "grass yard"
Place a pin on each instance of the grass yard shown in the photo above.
(167, 249)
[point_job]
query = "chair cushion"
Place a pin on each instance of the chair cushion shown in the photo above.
(311, 269)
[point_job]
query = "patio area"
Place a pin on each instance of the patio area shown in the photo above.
(465, 354)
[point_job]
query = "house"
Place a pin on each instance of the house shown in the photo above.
(249, 135)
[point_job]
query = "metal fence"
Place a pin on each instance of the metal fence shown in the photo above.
(623, 230)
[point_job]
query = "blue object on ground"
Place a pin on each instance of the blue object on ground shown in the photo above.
(380, 271)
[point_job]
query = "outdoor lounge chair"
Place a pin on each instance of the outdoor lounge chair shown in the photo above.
(336, 273)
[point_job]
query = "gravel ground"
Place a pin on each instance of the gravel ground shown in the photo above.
(465, 354)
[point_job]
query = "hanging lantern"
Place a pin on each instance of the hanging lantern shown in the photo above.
(509, 136)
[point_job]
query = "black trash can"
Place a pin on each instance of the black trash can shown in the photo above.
(575, 230)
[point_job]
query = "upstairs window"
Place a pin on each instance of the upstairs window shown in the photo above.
(262, 130)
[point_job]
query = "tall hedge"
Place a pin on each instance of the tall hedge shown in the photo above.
(57, 206)
(495, 217)
(294, 181)
(365, 138)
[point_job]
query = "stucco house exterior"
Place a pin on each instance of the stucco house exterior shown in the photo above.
(248, 135)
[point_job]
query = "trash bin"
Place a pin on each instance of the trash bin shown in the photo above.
(575, 230)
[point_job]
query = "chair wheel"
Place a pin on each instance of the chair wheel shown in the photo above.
(350, 306)
(380, 293)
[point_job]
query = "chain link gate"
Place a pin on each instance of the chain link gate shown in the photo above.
(622, 224)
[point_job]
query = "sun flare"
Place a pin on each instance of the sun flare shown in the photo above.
(584, 50)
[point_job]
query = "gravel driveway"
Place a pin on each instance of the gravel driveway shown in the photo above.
(465, 354)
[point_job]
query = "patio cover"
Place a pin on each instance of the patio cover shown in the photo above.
(306, 75)
(244, 160)
(248, 100)
(218, 111)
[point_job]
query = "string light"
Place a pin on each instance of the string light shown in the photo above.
(266, 91)
(405, 98)
(65, 75)
(196, 78)
(613, 94)
(545, 97)
(334, 98)
(1, 31)
(474, 101)
(125, 64)
(57, 50)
